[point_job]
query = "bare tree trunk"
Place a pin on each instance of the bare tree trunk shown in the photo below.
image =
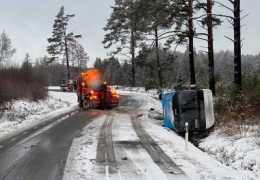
(133, 58)
(210, 49)
(237, 46)
(191, 55)
(159, 72)
(66, 52)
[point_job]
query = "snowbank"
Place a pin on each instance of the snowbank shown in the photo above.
(196, 163)
(23, 114)
(240, 153)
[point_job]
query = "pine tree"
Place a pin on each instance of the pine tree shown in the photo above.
(235, 22)
(41, 67)
(112, 70)
(210, 48)
(27, 61)
(27, 68)
(99, 65)
(210, 21)
(182, 10)
(124, 24)
(237, 45)
(190, 36)
(126, 69)
(60, 38)
(156, 15)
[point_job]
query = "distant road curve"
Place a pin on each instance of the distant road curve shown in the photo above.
(58, 90)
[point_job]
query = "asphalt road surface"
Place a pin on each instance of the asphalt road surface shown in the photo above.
(41, 152)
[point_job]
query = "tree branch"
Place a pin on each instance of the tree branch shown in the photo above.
(244, 16)
(125, 54)
(231, 21)
(203, 34)
(201, 26)
(225, 5)
(229, 38)
(201, 38)
(218, 15)
(231, 1)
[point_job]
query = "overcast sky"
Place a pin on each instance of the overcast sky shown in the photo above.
(28, 23)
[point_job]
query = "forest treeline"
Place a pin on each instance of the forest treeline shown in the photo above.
(175, 72)
(145, 33)
(175, 75)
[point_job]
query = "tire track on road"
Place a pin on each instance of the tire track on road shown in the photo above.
(105, 159)
(126, 166)
(166, 164)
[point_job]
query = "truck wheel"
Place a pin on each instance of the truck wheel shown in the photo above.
(91, 105)
(80, 103)
(86, 105)
(109, 105)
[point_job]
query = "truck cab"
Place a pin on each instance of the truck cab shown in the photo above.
(68, 84)
(93, 92)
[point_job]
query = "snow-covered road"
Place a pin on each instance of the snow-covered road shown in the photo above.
(131, 160)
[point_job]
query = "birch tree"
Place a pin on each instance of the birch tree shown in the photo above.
(6, 50)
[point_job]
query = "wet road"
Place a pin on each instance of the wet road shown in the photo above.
(41, 152)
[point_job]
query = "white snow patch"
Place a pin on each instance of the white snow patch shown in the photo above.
(195, 163)
(241, 153)
(122, 129)
(82, 156)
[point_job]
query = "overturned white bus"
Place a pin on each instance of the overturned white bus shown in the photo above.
(193, 106)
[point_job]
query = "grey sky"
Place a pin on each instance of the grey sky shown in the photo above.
(29, 24)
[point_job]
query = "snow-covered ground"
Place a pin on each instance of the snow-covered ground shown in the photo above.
(22, 114)
(221, 158)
